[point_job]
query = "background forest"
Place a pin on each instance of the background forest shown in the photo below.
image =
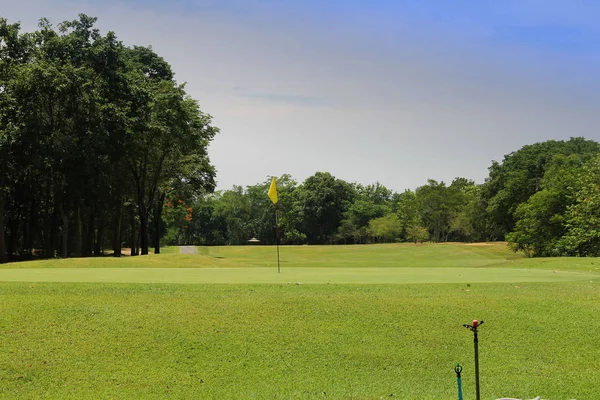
(101, 148)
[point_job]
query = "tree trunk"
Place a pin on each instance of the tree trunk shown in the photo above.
(157, 221)
(2, 238)
(78, 231)
(65, 232)
(47, 236)
(156, 239)
(13, 237)
(134, 248)
(98, 248)
(144, 233)
(53, 235)
(89, 242)
(29, 228)
(48, 249)
(117, 234)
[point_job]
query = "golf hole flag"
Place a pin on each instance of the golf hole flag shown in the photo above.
(273, 196)
(273, 191)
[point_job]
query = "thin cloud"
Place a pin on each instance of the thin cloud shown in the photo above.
(395, 92)
(291, 99)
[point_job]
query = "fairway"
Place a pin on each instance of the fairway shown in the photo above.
(345, 322)
(293, 275)
(288, 200)
(400, 255)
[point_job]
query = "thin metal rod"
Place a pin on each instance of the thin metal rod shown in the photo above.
(476, 343)
(458, 370)
(277, 238)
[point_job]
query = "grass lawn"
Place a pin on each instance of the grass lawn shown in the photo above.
(376, 322)
(400, 255)
(384, 255)
(297, 275)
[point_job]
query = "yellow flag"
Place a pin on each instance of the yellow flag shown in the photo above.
(273, 191)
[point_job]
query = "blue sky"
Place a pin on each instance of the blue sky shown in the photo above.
(389, 91)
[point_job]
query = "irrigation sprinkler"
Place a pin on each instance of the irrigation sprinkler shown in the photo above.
(473, 328)
(458, 370)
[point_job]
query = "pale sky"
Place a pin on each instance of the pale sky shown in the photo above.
(391, 91)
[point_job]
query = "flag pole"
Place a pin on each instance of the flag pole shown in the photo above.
(277, 237)
(273, 196)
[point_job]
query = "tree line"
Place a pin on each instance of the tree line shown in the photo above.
(544, 199)
(93, 136)
(101, 148)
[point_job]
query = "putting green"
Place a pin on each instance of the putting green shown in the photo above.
(293, 275)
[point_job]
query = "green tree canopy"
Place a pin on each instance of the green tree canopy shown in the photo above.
(520, 175)
(582, 219)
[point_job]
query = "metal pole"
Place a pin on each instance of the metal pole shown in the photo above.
(458, 370)
(476, 343)
(473, 328)
(277, 237)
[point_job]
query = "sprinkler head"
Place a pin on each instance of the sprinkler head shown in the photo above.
(474, 325)
(458, 369)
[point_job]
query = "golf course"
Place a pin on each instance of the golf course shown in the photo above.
(338, 322)
(299, 200)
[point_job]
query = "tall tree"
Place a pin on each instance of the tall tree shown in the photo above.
(324, 200)
(519, 176)
(369, 203)
(77, 110)
(168, 133)
(234, 208)
(439, 205)
(540, 221)
(385, 229)
(408, 209)
(582, 219)
(14, 53)
(469, 219)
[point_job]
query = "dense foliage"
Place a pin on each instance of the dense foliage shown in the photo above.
(544, 199)
(327, 210)
(101, 148)
(93, 135)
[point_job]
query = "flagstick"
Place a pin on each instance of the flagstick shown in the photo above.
(272, 193)
(277, 238)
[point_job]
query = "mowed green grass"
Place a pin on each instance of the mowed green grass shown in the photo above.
(296, 275)
(352, 322)
(296, 341)
(384, 255)
(378, 264)
(401, 255)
